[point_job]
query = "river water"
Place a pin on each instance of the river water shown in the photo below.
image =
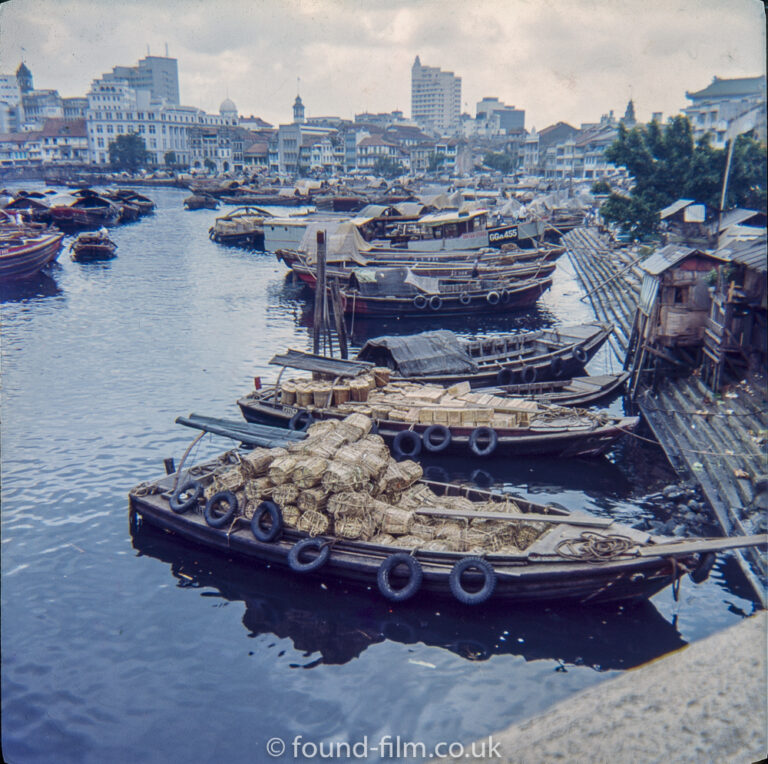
(124, 645)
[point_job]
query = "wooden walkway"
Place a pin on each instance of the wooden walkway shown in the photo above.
(610, 278)
(707, 438)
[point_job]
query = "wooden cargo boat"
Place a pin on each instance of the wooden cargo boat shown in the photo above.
(399, 292)
(85, 211)
(578, 391)
(23, 255)
(242, 227)
(296, 608)
(93, 246)
(448, 271)
(536, 553)
(442, 358)
(201, 202)
(416, 418)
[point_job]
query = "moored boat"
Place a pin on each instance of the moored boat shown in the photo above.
(416, 418)
(243, 227)
(93, 246)
(397, 291)
(374, 523)
(87, 210)
(23, 255)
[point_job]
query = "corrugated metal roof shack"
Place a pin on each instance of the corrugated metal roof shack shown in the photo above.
(736, 331)
(674, 296)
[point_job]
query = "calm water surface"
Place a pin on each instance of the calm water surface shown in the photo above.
(125, 645)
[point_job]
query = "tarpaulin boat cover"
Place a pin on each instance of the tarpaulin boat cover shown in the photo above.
(437, 352)
(391, 282)
(343, 241)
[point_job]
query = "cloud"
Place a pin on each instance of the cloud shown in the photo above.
(557, 59)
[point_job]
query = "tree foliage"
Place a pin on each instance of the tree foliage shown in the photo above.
(500, 160)
(388, 167)
(170, 158)
(435, 161)
(667, 165)
(128, 152)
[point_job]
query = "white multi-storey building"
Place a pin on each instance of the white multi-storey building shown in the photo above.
(115, 108)
(435, 97)
(723, 103)
(11, 112)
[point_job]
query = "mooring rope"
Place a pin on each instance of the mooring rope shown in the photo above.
(595, 547)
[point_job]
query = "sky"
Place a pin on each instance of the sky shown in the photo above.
(569, 60)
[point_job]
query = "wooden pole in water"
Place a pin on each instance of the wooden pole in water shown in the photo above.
(319, 292)
(338, 314)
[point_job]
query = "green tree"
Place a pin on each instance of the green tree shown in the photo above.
(600, 187)
(388, 167)
(500, 160)
(128, 152)
(666, 165)
(209, 164)
(435, 161)
(170, 158)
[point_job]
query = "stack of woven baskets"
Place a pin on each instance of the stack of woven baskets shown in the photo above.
(341, 481)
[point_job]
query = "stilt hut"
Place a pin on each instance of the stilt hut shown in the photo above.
(674, 307)
(736, 334)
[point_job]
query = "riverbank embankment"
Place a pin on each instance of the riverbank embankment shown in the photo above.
(703, 703)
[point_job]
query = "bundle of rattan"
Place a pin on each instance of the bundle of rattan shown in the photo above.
(399, 476)
(285, 493)
(282, 468)
(343, 476)
(256, 462)
(291, 515)
(351, 504)
(313, 498)
(309, 471)
(314, 523)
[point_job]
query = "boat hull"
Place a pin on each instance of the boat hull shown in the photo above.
(516, 296)
(23, 261)
(559, 442)
(355, 562)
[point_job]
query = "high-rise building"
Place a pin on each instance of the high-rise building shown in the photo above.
(157, 74)
(435, 97)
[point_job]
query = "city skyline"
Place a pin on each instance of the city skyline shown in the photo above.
(556, 60)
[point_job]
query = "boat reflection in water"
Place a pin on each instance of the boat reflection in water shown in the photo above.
(337, 622)
(40, 285)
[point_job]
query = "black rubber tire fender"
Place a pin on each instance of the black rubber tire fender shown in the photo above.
(399, 447)
(701, 572)
(301, 421)
(483, 432)
(435, 302)
(492, 298)
(556, 367)
(179, 506)
(580, 355)
(420, 302)
(275, 530)
(505, 376)
(294, 556)
(529, 374)
(465, 298)
(414, 578)
(444, 438)
(219, 521)
(457, 587)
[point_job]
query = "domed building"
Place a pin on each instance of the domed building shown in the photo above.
(228, 110)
